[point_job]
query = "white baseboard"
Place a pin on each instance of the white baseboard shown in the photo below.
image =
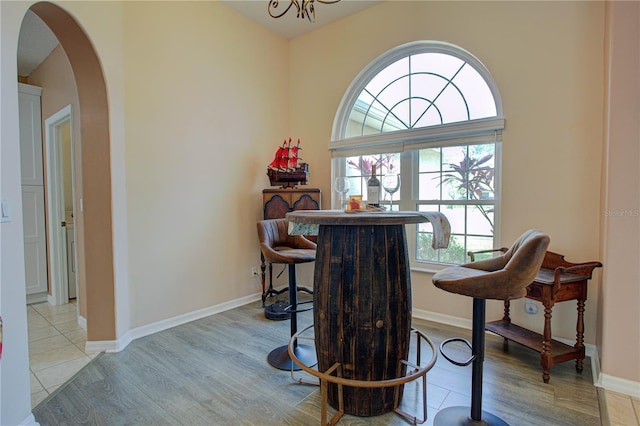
(82, 322)
(619, 385)
(146, 330)
(29, 421)
(442, 318)
(37, 298)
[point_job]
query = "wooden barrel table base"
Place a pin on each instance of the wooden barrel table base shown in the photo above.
(334, 375)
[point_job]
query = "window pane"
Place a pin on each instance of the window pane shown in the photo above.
(481, 171)
(390, 73)
(480, 243)
(394, 93)
(398, 117)
(359, 170)
(429, 160)
(477, 93)
(452, 157)
(452, 105)
(453, 187)
(437, 63)
(455, 253)
(430, 115)
(457, 217)
(427, 86)
(429, 186)
(480, 220)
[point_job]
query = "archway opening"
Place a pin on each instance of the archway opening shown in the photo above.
(96, 169)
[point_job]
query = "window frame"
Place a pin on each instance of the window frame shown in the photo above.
(407, 142)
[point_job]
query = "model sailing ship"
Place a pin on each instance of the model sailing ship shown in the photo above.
(286, 169)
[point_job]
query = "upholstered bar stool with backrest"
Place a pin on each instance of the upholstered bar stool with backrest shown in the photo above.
(278, 246)
(503, 277)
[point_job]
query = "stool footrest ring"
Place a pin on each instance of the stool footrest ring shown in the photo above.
(451, 360)
(334, 375)
(288, 308)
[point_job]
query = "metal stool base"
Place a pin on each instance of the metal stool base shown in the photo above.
(278, 311)
(280, 359)
(461, 416)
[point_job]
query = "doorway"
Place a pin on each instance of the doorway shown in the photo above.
(60, 206)
(94, 211)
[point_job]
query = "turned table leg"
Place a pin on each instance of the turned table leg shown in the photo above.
(545, 357)
(580, 335)
(507, 318)
(263, 267)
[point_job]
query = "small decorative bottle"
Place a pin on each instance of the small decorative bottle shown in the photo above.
(373, 189)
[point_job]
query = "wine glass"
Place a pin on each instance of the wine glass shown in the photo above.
(391, 184)
(341, 185)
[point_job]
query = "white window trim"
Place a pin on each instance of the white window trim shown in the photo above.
(423, 137)
(395, 54)
(485, 130)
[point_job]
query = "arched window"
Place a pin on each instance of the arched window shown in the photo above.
(430, 112)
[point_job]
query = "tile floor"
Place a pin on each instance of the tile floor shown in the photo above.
(623, 410)
(56, 347)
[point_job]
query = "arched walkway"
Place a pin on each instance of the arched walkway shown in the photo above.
(96, 169)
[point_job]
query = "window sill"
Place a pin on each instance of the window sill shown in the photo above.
(428, 268)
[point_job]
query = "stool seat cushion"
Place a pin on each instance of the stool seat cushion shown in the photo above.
(503, 277)
(292, 255)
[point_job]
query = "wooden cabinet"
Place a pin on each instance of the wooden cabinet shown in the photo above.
(278, 202)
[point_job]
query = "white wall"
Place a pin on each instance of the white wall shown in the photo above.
(15, 400)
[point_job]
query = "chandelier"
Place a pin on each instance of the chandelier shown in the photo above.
(306, 8)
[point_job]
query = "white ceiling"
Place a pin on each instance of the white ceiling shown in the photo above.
(37, 41)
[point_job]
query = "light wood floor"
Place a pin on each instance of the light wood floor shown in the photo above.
(214, 372)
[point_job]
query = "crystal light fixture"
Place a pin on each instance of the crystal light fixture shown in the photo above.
(306, 8)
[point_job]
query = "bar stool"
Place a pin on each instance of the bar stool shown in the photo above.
(278, 246)
(504, 277)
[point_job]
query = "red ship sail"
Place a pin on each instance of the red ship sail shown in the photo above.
(293, 155)
(286, 168)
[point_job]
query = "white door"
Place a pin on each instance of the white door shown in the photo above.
(33, 207)
(30, 135)
(35, 255)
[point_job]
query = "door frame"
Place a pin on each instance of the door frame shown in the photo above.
(57, 253)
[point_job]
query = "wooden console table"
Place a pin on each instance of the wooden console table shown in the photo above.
(557, 281)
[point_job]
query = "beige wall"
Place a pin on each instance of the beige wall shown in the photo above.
(56, 78)
(206, 106)
(619, 317)
(193, 167)
(547, 59)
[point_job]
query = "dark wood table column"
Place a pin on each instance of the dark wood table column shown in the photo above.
(362, 301)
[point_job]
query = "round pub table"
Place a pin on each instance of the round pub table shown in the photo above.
(362, 300)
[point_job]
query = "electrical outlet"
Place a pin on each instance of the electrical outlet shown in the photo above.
(530, 307)
(254, 271)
